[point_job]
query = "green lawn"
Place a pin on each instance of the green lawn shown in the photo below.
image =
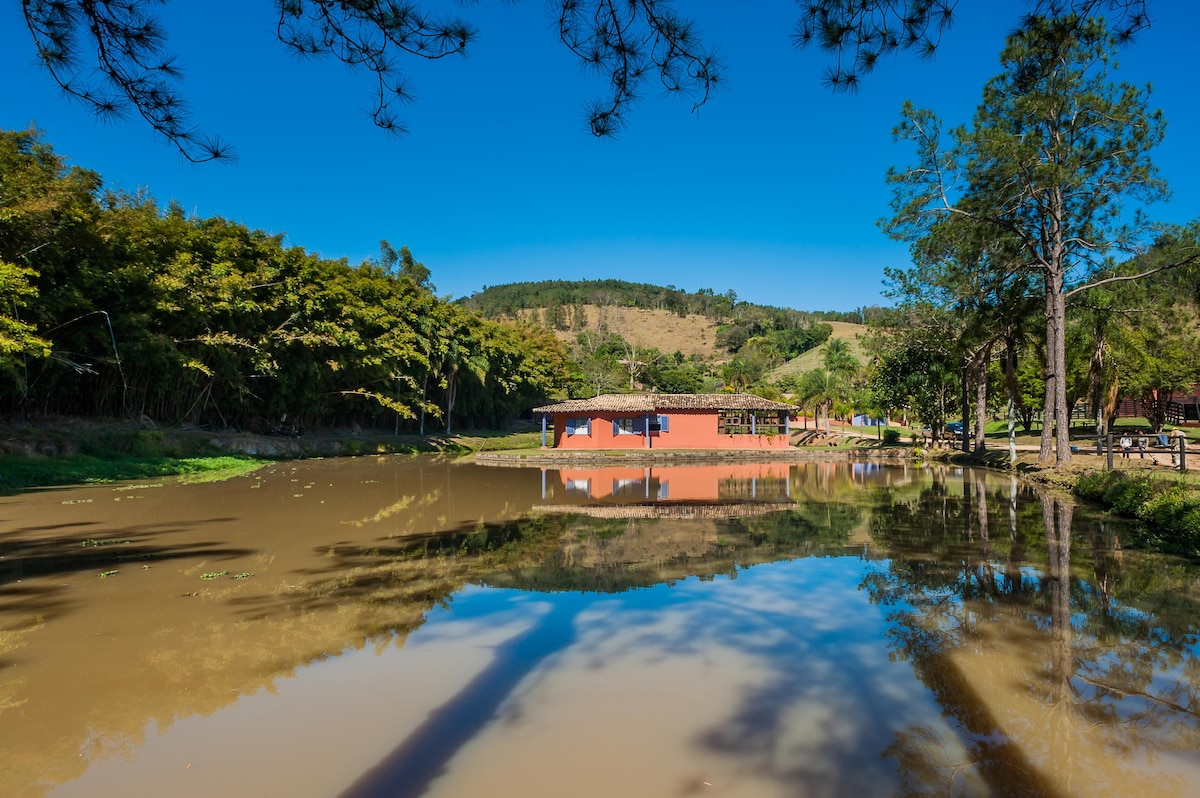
(21, 473)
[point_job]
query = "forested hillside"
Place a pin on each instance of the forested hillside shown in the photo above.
(560, 298)
(632, 336)
(111, 306)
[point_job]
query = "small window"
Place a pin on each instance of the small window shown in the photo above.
(579, 487)
(628, 488)
(659, 424)
(628, 426)
(579, 426)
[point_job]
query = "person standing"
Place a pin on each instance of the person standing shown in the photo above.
(1141, 443)
(1176, 435)
(1125, 443)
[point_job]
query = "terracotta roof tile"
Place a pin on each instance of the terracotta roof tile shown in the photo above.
(649, 403)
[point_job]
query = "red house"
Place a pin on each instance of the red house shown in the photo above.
(668, 421)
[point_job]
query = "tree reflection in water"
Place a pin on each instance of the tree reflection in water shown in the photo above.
(1060, 677)
(1061, 665)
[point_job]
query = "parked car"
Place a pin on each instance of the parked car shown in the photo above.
(953, 429)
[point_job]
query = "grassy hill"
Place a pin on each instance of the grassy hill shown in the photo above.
(668, 331)
(704, 324)
(851, 333)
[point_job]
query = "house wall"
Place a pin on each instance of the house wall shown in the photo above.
(686, 429)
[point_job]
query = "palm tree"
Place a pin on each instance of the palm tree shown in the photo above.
(838, 358)
(821, 388)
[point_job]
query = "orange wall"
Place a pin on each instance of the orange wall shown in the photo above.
(687, 429)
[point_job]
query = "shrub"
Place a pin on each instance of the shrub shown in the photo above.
(1169, 509)
(1126, 496)
(1176, 512)
(1094, 485)
(891, 437)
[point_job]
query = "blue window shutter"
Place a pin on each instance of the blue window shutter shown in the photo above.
(616, 428)
(639, 425)
(662, 423)
(570, 428)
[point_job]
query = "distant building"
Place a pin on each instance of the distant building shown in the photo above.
(667, 421)
(1184, 407)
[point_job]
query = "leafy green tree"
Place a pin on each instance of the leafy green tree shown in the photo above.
(913, 375)
(820, 389)
(597, 355)
(154, 314)
(15, 335)
(526, 363)
(58, 266)
(967, 290)
(1055, 153)
(740, 373)
(1164, 365)
(839, 360)
(679, 380)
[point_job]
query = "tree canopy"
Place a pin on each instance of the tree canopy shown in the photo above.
(115, 56)
(112, 306)
(1056, 162)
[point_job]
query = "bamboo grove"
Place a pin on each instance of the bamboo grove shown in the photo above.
(112, 306)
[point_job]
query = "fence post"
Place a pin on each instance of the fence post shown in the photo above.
(1182, 454)
(1109, 445)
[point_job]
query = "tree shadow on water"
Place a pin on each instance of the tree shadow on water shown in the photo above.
(417, 570)
(410, 769)
(62, 555)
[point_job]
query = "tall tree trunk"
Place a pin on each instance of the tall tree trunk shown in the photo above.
(1010, 380)
(1057, 517)
(1046, 452)
(979, 366)
(1062, 416)
(451, 383)
(1096, 387)
(424, 394)
(1055, 273)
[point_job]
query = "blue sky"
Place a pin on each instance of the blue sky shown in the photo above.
(771, 190)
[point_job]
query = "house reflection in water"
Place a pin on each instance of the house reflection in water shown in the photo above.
(741, 482)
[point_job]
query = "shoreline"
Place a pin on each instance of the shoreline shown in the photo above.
(520, 458)
(60, 453)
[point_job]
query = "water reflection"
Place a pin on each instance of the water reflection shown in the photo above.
(1062, 675)
(410, 627)
(743, 482)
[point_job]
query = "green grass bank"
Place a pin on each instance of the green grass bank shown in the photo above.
(1168, 505)
(73, 451)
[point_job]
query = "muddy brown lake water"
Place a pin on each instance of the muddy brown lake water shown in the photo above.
(422, 627)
